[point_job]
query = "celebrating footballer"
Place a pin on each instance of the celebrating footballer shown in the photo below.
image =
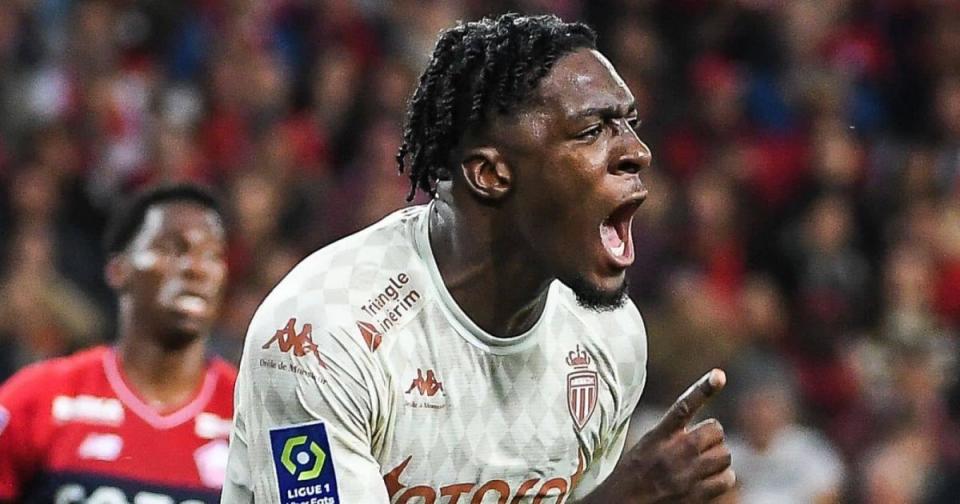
(481, 347)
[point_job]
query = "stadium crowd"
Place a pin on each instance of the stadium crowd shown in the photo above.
(802, 229)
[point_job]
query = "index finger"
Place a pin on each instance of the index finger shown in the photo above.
(683, 410)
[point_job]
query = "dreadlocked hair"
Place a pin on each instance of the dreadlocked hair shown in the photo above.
(478, 68)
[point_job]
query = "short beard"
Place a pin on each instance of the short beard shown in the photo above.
(592, 298)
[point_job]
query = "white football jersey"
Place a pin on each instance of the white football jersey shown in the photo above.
(362, 381)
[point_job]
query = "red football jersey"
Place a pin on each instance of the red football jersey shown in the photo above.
(72, 430)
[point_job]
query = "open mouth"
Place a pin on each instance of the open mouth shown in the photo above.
(191, 303)
(615, 231)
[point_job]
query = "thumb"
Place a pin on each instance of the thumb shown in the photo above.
(683, 410)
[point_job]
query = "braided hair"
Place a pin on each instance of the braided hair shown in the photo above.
(477, 69)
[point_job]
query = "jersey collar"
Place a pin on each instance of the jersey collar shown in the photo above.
(129, 397)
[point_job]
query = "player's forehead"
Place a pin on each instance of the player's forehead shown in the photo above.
(582, 81)
(190, 221)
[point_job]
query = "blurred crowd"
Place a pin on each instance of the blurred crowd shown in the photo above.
(802, 229)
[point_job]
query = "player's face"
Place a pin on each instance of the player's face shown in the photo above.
(577, 159)
(178, 270)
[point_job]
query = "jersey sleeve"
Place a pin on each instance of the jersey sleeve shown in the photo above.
(19, 454)
(629, 357)
(307, 410)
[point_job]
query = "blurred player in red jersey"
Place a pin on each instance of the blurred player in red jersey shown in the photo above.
(145, 420)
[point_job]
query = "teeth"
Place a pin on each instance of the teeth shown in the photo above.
(191, 303)
(619, 249)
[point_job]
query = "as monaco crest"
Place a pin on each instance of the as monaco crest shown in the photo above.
(581, 388)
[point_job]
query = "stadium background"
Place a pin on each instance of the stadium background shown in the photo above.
(803, 227)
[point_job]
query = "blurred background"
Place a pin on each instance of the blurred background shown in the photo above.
(802, 230)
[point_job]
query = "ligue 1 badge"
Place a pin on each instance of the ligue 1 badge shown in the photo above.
(304, 464)
(581, 387)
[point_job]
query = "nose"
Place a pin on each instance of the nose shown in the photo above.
(191, 265)
(633, 155)
(196, 266)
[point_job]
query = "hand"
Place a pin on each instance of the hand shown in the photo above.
(673, 462)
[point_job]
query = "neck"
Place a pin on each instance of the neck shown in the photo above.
(493, 280)
(165, 378)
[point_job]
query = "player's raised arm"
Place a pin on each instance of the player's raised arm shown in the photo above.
(674, 462)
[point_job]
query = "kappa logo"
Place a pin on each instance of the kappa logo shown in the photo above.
(427, 386)
(581, 387)
(288, 339)
(425, 391)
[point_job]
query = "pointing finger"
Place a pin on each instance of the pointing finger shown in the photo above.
(682, 411)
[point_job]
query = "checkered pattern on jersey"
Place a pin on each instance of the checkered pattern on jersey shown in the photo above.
(496, 417)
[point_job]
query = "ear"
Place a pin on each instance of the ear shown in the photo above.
(117, 272)
(486, 173)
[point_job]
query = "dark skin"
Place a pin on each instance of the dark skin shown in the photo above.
(537, 185)
(170, 281)
(525, 208)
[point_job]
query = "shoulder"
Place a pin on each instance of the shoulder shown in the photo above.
(389, 242)
(47, 378)
(343, 297)
(345, 271)
(314, 343)
(51, 373)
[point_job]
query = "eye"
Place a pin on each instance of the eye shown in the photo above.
(167, 247)
(591, 133)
